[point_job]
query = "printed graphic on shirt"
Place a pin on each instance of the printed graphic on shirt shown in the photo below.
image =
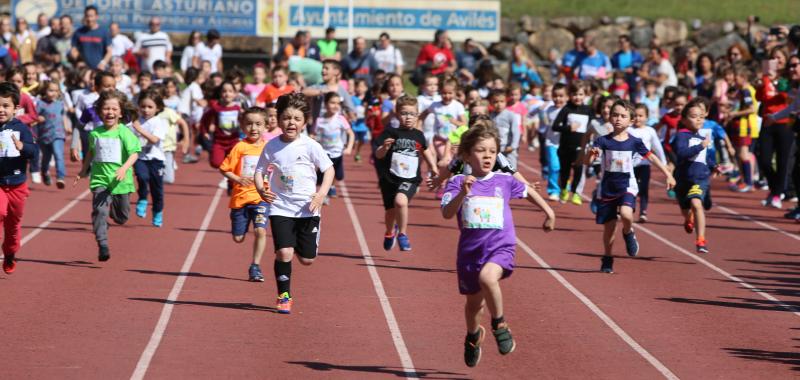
(581, 120)
(109, 150)
(618, 161)
(228, 120)
(249, 164)
(483, 212)
(700, 157)
(404, 166)
(7, 147)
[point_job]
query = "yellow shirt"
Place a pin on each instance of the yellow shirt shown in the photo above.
(170, 143)
(242, 161)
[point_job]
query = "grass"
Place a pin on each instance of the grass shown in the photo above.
(773, 11)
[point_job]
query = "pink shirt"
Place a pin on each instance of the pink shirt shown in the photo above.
(267, 135)
(522, 111)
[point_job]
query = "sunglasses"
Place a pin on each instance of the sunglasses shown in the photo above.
(793, 65)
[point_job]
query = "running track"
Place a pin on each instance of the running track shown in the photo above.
(175, 303)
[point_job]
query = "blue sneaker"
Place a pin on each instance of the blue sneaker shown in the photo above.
(158, 217)
(402, 241)
(595, 204)
(671, 194)
(141, 208)
(255, 273)
(332, 192)
(388, 240)
(631, 244)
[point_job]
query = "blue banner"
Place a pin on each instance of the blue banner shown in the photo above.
(397, 18)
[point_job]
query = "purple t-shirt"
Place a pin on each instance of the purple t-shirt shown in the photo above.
(485, 217)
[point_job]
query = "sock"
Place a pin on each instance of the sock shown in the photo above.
(473, 337)
(283, 276)
(497, 321)
(747, 173)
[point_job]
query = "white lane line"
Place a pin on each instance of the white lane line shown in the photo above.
(166, 311)
(388, 313)
(660, 367)
(745, 284)
(53, 218)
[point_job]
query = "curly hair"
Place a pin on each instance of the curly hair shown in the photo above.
(294, 100)
(128, 109)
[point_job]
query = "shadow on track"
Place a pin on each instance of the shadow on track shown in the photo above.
(735, 302)
(225, 305)
(187, 274)
(787, 358)
(396, 371)
(75, 264)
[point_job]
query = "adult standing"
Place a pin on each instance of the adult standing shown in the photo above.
(328, 47)
(210, 51)
(154, 45)
(63, 40)
(659, 69)
(569, 58)
(435, 57)
(24, 41)
(388, 57)
(91, 43)
(472, 53)
(627, 60)
(43, 26)
(593, 63)
(46, 51)
(360, 64)
(190, 51)
(298, 46)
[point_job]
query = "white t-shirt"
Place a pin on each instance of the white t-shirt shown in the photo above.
(189, 97)
(212, 55)
(156, 126)
(388, 59)
(293, 174)
(83, 102)
(444, 114)
(120, 45)
(186, 58)
(664, 68)
(425, 101)
(124, 85)
(649, 137)
(331, 134)
(547, 117)
(157, 45)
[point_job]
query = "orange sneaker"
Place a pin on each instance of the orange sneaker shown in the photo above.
(702, 245)
(688, 224)
(9, 264)
(284, 305)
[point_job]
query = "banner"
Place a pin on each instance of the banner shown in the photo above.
(408, 20)
(231, 17)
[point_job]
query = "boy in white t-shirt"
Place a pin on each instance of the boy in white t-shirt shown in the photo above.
(448, 114)
(430, 95)
(329, 130)
(291, 162)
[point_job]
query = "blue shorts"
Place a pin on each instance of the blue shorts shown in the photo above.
(686, 191)
(607, 210)
(242, 217)
(361, 136)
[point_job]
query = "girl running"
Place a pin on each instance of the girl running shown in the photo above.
(330, 129)
(51, 130)
(149, 168)
(641, 165)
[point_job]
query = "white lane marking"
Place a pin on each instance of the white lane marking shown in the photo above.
(660, 367)
(166, 311)
(388, 313)
(715, 268)
(53, 218)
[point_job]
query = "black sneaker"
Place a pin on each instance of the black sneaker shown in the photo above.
(472, 350)
(607, 264)
(103, 253)
(255, 273)
(631, 244)
(47, 180)
(505, 343)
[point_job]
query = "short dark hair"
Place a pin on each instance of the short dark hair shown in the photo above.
(153, 94)
(90, 8)
(294, 100)
(330, 29)
(213, 34)
(255, 111)
(159, 64)
(9, 90)
(99, 75)
(330, 95)
(626, 105)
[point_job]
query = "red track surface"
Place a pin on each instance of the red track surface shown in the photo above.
(68, 316)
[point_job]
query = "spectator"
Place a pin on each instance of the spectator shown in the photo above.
(468, 58)
(704, 75)
(91, 43)
(211, 51)
(328, 47)
(120, 43)
(46, 51)
(360, 64)
(435, 57)
(593, 63)
(298, 46)
(43, 28)
(64, 40)
(389, 58)
(153, 46)
(627, 60)
(738, 54)
(24, 41)
(190, 51)
(6, 32)
(569, 58)
(523, 71)
(659, 69)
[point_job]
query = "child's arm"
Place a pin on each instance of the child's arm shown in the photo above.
(536, 199)
(66, 123)
(593, 154)
(664, 169)
(516, 135)
(560, 123)
(151, 138)
(262, 167)
(451, 209)
(351, 140)
(243, 181)
(87, 161)
(127, 165)
(186, 141)
(430, 158)
(319, 196)
(382, 150)
(24, 144)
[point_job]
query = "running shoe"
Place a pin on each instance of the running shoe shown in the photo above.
(553, 197)
(141, 208)
(103, 253)
(505, 343)
(9, 264)
(358, 158)
(775, 202)
(388, 240)
(576, 199)
(472, 350)
(762, 184)
(702, 246)
(688, 224)
(47, 180)
(284, 304)
(332, 192)
(60, 184)
(631, 244)
(402, 241)
(564, 196)
(793, 213)
(190, 159)
(742, 188)
(607, 264)
(158, 218)
(255, 273)
(643, 218)
(36, 177)
(671, 194)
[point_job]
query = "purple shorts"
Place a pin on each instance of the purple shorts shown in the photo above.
(469, 271)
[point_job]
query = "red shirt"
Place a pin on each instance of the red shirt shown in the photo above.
(225, 120)
(431, 53)
(670, 121)
(272, 93)
(772, 100)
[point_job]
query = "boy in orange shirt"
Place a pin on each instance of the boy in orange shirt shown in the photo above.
(246, 204)
(279, 86)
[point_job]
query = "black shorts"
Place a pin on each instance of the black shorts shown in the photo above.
(338, 170)
(686, 191)
(302, 234)
(389, 191)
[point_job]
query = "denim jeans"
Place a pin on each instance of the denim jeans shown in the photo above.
(53, 150)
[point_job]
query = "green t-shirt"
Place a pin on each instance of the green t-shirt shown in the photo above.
(455, 136)
(310, 68)
(110, 149)
(327, 48)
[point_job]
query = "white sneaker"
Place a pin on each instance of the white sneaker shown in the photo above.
(553, 197)
(223, 184)
(36, 177)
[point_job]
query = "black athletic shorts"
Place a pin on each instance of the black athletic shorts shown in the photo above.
(390, 190)
(302, 234)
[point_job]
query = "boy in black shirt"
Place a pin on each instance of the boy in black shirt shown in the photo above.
(572, 122)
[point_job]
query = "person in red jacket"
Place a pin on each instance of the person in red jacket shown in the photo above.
(437, 57)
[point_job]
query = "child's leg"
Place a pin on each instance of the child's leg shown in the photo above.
(746, 165)
(577, 173)
(259, 244)
(564, 163)
(490, 287)
(555, 170)
(283, 269)
(389, 217)
(156, 183)
(35, 164)
(101, 205)
(642, 173)
(47, 154)
(120, 208)
(473, 311)
(626, 215)
(699, 218)
(140, 168)
(609, 232)
(58, 152)
(12, 219)
(169, 167)
(401, 213)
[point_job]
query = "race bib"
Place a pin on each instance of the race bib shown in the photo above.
(229, 120)
(482, 212)
(360, 112)
(700, 157)
(615, 161)
(7, 147)
(443, 125)
(404, 166)
(249, 166)
(108, 150)
(330, 140)
(581, 120)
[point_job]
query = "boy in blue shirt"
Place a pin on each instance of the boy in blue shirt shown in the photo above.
(618, 189)
(694, 168)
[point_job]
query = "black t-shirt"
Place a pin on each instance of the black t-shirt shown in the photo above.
(402, 161)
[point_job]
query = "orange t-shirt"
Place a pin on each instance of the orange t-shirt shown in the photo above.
(242, 161)
(272, 93)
